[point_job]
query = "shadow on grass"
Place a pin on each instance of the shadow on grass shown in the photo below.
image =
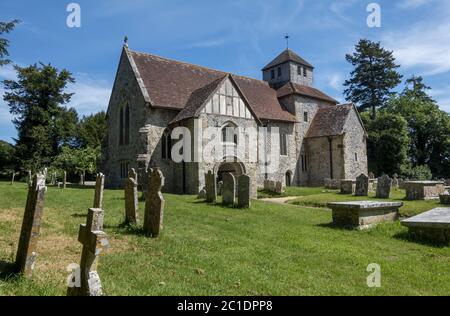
(79, 215)
(8, 271)
(332, 225)
(129, 229)
(410, 237)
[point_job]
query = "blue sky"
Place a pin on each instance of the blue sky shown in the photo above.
(238, 36)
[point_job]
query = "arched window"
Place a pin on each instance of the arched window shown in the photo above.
(166, 145)
(121, 126)
(229, 133)
(288, 179)
(127, 125)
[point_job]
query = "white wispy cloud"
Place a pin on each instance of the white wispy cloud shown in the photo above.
(413, 4)
(335, 81)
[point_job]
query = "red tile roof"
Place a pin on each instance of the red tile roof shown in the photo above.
(294, 88)
(170, 84)
(329, 121)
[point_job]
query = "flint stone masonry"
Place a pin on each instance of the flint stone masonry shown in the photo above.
(384, 187)
(433, 225)
(348, 186)
(95, 243)
(228, 189)
(154, 204)
(211, 187)
(244, 191)
(423, 190)
(332, 184)
(362, 185)
(31, 226)
(364, 214)
(99, 186)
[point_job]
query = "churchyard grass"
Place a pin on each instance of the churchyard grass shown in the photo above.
(203, 249)
(410, 208)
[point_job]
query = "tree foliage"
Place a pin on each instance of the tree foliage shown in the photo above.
(6, 157)
(5, 27)
(374, 76)
(37, 101)
(387, 143)
(77, 160)
(92, 130)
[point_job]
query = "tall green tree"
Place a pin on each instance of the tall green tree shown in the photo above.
(92, 130)
(429, 130)
(37, 101)
(387, 143)
(417, 89)
(6, 157)
(373, 78)
(5, 27)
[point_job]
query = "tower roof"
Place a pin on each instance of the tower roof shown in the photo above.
(285, 56)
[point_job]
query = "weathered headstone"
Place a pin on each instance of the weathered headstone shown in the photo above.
(64, 179)
(362, 185)
(31, 226)
(348, 186)
(244, 191)
(279, 187)
(30, 179)
(211, 187)
(13, 177)
(444, 198)
(395, 182)
(131, 198)
(202, 194)
(94, 243)
(154, 204)
(81, 179)
(384, 187)
(371, 175)
(145, 183)
(99, 187)
(228, 189)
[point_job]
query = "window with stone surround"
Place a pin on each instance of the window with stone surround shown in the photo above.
(304, 72)
(124, 125)
(166, 145)
(283, 144)
(305, 116)
(272, 74)
(279, 71)
(124, 169)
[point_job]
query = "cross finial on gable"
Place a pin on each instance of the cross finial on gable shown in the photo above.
(286, 37)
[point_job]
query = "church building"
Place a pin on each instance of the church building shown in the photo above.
(152, 95)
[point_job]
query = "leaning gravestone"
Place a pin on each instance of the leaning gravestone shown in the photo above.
(154, 204)
(131, 198)
(244, 191)
(31, 226)
(384, 187)
(228, 189)
(362, 185)
(145, 182)
(64, 180)
(99, 187)
(211, 187)
(94, 243)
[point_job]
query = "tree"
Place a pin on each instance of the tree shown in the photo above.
(416, 89)
(373, 77)
(429, 130)
(36, 100)
(6, 157)
(387, 143)
(92, 130)
(5, 27)
(77, 160)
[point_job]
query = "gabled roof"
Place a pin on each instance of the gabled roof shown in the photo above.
(295, 88)
(171, 84)
(329, 121)
(285, 56)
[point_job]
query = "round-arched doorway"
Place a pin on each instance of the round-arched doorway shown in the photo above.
(235, 167)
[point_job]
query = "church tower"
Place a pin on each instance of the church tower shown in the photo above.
(288, 67)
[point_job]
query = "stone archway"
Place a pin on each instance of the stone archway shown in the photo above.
(235, 167)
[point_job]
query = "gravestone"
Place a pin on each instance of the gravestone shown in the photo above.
(30, 179)
(371, 175)
(444, 198)
(211, 188)
(31, 226)
(64, 179)
(219, 187)
(202, 194)
(395, 183)
(279, 187)
(154, 204)
(99, 186)
(433, 225)
(384, 187)
(13, 177)
(95, 243)
(244, 191)
(81, 179)
(145, 182)
(362, 185)
(131, 198)
(348, 186)
(228, 189)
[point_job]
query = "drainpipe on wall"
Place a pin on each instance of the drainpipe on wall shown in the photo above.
(330, 142)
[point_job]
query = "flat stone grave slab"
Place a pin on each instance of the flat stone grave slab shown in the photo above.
(423, 190)
(364, 214)
(433, 225)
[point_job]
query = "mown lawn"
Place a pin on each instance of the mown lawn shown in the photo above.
(210, 250)
(410, 208)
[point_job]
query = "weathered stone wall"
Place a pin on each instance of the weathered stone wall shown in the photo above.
(354, 143)
(289, 72)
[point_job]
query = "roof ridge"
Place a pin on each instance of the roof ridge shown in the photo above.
(198, 66)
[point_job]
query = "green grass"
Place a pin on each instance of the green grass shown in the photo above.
(410, 208)
(294, 191)
(205, 249)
